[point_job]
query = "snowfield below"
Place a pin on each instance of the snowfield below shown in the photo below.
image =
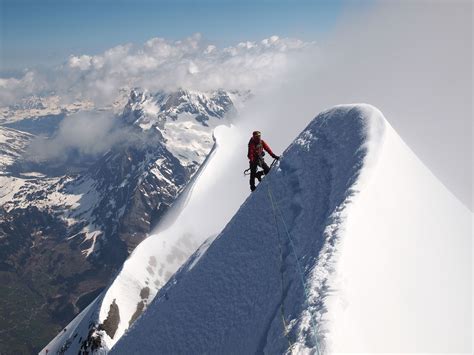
(350, 244)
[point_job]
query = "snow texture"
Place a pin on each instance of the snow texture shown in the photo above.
(348, 196)
(350, 244)
(156, 259)
(245, 294)
(404, 274)
(12, 145)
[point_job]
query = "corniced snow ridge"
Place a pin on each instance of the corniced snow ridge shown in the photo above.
(350, 244)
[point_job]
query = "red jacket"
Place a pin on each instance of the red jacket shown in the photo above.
(256, 149)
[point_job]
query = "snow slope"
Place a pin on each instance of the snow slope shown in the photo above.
(404, 271)
(158, 257)
(363, 250)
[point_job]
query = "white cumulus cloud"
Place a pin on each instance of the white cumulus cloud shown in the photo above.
(159, 64)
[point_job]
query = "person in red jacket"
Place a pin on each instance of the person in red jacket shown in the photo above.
(255, 154)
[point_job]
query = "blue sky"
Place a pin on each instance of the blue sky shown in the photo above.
(46, 32)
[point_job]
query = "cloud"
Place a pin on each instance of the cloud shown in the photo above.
(82, 62)
(84, 134)
(413, 60)
(410, 59)
(13, 89)
(159, 64)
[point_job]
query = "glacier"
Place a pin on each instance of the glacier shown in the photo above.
(350, 244)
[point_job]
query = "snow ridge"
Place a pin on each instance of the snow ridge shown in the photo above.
(244, 294)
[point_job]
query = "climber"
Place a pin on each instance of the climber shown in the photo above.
(255, 154)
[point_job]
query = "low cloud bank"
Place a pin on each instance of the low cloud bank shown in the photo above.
(158, 64)
(85, 134)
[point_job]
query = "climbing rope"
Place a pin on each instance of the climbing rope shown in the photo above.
(282, 306)
(275, 208)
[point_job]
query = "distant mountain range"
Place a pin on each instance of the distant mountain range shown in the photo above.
(67, 227)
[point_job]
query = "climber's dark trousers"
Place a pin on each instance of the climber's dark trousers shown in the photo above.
(253, 171)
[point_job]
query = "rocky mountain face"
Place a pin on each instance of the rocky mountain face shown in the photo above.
(63, 236)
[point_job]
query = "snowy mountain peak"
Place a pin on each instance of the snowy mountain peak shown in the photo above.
(249, 249)
(266, 273)
(184, 119)
(327, 259)
(149, 110)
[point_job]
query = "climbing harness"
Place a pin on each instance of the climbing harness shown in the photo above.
(247, 171)
(276, 208)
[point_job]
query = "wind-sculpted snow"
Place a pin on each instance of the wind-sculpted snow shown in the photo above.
(350, 244)
(246, 294)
